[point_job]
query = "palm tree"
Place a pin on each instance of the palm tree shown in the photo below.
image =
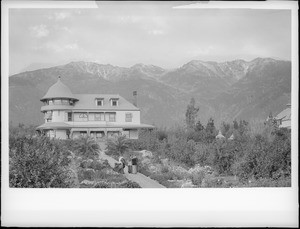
(87, 147)
(118, 145)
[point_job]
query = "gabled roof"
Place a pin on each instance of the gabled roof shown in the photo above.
(87, 102)
(59, 90)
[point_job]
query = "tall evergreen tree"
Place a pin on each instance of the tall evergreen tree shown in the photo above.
(210, 126)
(191, 114)
(199, 126)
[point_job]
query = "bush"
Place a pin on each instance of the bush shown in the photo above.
(197, 178)
(165, 169)
(102, 184)
(129, 184)
(213, 182)
(266, 182)
(39, 163)
(163, 179)
(264, 159)
(85, 147)
(224, 157)
(118, 146)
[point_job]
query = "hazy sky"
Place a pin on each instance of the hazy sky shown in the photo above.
(124, 34)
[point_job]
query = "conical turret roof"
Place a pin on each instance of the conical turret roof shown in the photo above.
(59, 90)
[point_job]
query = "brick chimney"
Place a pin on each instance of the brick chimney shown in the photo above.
(134, 98)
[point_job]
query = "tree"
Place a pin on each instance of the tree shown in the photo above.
(118, 145)
(38, 163)
(210, 127)
(87, 147)
(235, 125)
(225, 128)
(210, 131)
(199, 126)
(191, 114)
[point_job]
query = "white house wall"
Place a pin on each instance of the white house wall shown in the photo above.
(120, 118)
(58, 116)
(60, 134)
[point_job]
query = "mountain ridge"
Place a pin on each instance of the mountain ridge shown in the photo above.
(221, 89)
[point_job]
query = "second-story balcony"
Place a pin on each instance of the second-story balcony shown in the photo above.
(56, 107)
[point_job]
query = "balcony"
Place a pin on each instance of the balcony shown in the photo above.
(56, 107)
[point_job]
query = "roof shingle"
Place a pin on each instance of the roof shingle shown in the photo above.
(88, 102)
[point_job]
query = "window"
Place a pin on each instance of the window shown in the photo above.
(57, 101)
(114, 102)
(50, 102)
(83, 116)
(128, 117)
(99, 102)
(112, 117)
(65, 102)
(99, 117)
(69, 116)
(48, 116)
(71, 102)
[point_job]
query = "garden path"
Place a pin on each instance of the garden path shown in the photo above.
(141, 179)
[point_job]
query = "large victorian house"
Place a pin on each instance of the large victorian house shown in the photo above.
(69, 115)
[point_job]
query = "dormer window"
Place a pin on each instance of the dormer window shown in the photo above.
(114, 102)
(99, 102)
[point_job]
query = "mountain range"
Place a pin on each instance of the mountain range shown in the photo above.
(225, 91)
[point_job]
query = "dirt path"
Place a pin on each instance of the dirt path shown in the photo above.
(141, 179)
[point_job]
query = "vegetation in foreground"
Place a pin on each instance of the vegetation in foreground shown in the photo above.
(258, 155)
(249, 155)
(40, 162)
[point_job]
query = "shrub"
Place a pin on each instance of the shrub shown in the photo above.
(86, 147)
(163, 179)
(102, 184)
(165, 169)
(118, 146)
(266, 182)
(224, 155)
(161, 135)
(211, 181)
(38, 163)
(129, 184)
(264, 159)
(197, 178)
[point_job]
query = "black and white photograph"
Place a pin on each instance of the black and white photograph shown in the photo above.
(151, 101)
